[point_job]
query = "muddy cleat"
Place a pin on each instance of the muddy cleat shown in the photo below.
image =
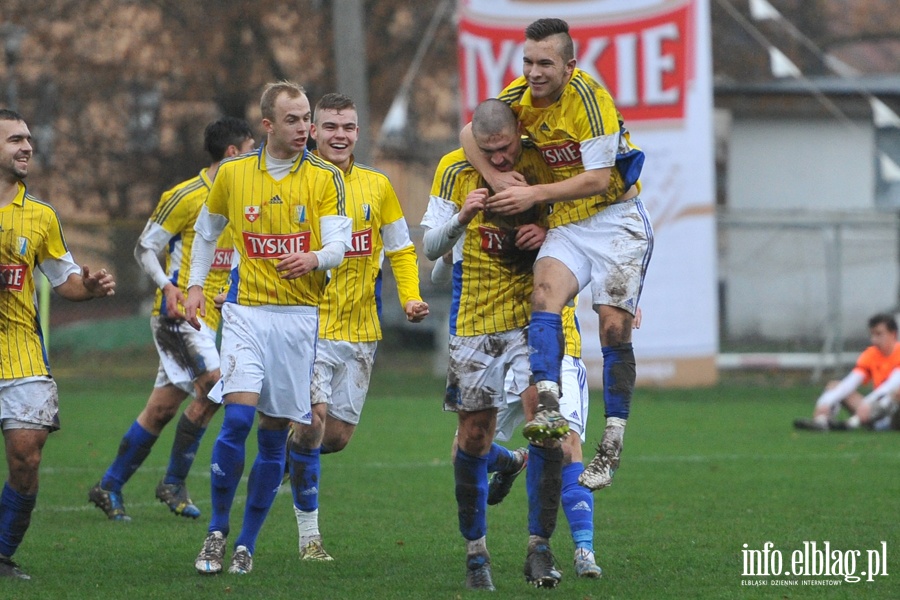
(241, 561)
(209, 561)
(502, 481)
(176, 497)
(111, 503)
(313, 550)
(478, 573)
(599, 473)
(540, 569)
(811, 424)
(586, 565)
(8, 568)
(547, 424)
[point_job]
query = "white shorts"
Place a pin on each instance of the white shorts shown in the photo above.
(573, 403)
(610, 250)
(29, 403)
(270, 350)
(341, 377)
(476, 375)
(184, 352)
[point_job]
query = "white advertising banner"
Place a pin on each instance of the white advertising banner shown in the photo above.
(654, 57)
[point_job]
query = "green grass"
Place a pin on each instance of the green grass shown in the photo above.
(703, 472)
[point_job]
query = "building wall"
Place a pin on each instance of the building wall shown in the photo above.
(804, 252)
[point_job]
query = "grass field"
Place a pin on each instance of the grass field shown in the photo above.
(704, 472)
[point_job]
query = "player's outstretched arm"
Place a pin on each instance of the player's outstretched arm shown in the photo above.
(87, 285)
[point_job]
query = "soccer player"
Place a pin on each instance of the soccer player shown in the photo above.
(599, 230)
(285, 209)
(576, 501)
(349, 326)
(188, 359)
(30, 236)
(879, 364)
(492, 281)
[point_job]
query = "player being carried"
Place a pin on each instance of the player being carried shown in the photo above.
(600, 234)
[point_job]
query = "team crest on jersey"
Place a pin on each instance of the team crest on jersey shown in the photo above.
(23, 245)
(12, 277)
(300, 214)
(276, 199)
(545, 127)
(251, 213)
(367, 212)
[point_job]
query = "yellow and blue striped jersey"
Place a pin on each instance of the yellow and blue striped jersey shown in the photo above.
(269, 219)
(571, 331)
(584, 115)
(30, 236)
(350, 310)
(492, 279)
(177, 212)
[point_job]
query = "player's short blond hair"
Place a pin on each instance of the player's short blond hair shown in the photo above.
(271, 93)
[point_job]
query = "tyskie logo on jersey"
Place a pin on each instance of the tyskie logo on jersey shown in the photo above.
(222, 258)
(251, 213)
(12, 277)
(260, 245)
(564, 154)
(360, 244)
(491, 239)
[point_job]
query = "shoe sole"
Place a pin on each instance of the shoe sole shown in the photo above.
(539, 434)
(595, 482)
(543, 582)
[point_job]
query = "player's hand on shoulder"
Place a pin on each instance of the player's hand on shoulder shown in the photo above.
(416, 311)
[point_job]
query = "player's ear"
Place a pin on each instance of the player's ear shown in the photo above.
(313, 132)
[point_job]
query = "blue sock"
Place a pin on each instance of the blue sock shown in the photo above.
(618, 379)
(228, 463)
(578, 504)
(471, 494)
(545, 338)
(499, 458)
(133, 450)
(15, 516)
(543, 481)
(265, 478)
(305, 471)
(184, 449)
